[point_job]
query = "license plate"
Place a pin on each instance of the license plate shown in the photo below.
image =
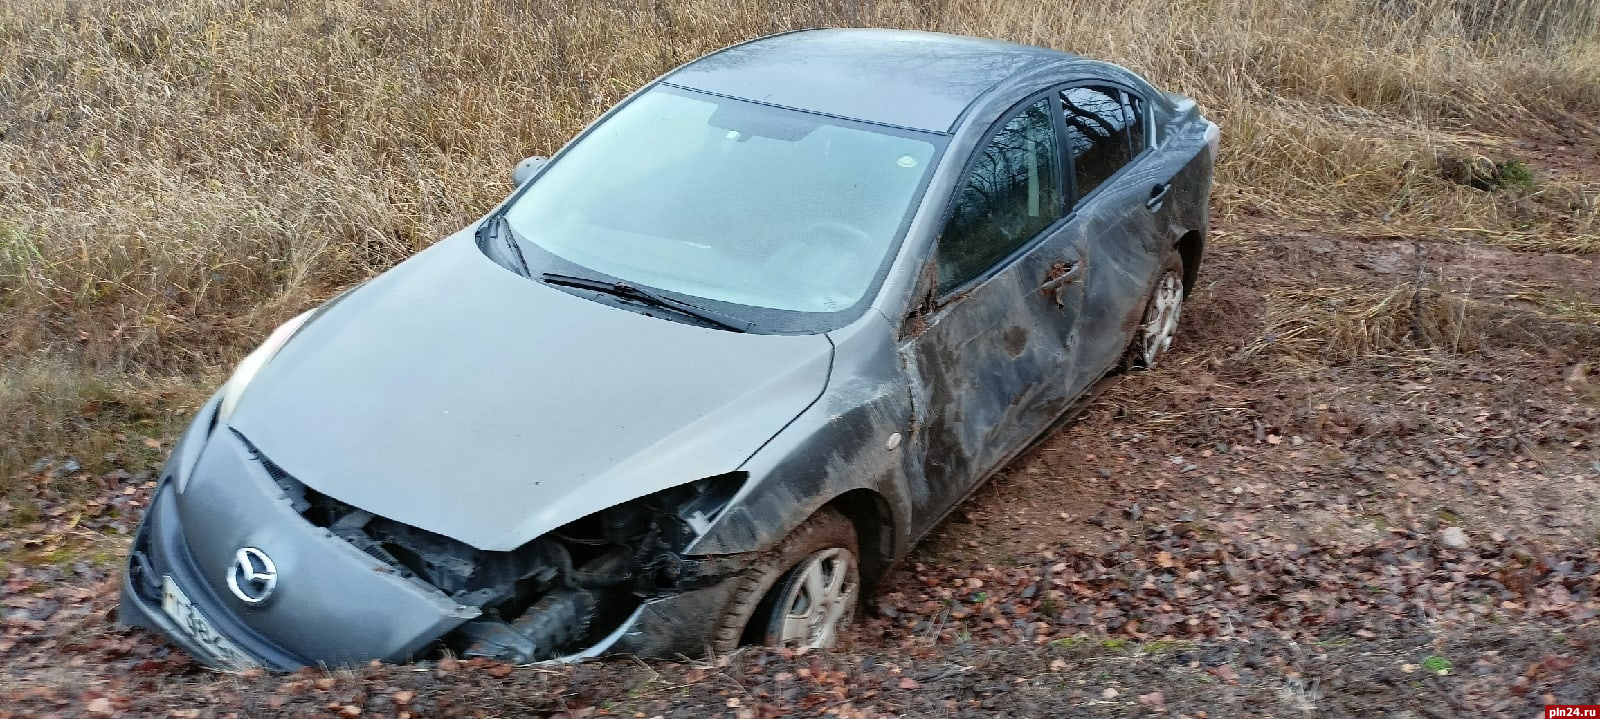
(196, 627)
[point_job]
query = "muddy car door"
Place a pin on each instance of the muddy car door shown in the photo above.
(988, 354)
(1122, 206)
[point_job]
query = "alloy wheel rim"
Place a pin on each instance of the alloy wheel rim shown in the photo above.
(822, 601)
(1161, 321)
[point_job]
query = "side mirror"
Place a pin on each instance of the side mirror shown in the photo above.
(527, 169)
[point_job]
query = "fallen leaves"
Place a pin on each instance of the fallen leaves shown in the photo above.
(1229, 581)
(982, 676)
(1225, 673)
(1156, 701)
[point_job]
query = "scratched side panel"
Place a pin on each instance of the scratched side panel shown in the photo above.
(841, 443)
(1189, 210)
(1131, 241)
(991, 369)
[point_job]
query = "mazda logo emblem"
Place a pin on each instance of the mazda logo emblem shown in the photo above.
(252, 576)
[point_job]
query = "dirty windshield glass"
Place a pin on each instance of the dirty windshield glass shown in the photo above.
(730, 201)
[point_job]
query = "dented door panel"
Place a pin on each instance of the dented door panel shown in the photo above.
(995, 368)
(992, 369)
(1127, 239)
(1134, 239)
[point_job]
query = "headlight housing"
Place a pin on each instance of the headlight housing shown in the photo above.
(253, 362)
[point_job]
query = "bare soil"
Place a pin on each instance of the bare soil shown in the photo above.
(1497, 442)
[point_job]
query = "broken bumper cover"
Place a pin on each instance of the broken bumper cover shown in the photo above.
(158, 553)
(333, 604)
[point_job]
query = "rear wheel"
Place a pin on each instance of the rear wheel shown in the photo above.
(1160, 321)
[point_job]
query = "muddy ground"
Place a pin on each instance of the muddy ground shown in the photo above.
(1367, 483)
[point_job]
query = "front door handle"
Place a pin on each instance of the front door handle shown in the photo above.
(1061, 274)
(1158, 195)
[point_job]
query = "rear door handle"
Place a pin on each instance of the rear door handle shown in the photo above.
(1158, 195)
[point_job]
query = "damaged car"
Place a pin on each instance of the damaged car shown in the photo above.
(704, 375)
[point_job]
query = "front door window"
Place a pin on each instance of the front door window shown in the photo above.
(1012, 193)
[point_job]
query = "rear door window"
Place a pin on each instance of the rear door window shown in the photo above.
(1105, 130)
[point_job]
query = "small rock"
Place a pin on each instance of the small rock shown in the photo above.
(1453, 537)
(1109, 693)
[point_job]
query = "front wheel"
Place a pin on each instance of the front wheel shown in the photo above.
(1160, 321)
(801, 594)
(814, 601)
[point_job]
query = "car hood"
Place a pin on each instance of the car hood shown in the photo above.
(455, 396)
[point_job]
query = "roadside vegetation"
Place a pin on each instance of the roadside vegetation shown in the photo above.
(1373, 456)
(176, 178)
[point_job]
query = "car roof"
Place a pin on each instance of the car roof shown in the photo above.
(916, 80)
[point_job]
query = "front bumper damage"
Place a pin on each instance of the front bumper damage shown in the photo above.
(352, 587)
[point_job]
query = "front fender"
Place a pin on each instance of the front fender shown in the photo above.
(845, 442)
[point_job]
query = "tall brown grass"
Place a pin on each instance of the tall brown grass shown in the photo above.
(175, 177)
(1343, 325)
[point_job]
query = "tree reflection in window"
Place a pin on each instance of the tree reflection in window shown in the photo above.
(1011, 194)
(1099, 132)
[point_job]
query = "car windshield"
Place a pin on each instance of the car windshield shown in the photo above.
(730, 201)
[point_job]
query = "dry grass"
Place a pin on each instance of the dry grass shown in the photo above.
(61, 420)
(177, 177)
(1342, 325)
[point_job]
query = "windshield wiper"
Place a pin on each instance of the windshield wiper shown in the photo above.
(495, 237)
(646, 297)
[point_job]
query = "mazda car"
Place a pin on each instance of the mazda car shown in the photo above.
(702, 377)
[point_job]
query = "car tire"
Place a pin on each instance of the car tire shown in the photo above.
(1159, 324)
(776, 594)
